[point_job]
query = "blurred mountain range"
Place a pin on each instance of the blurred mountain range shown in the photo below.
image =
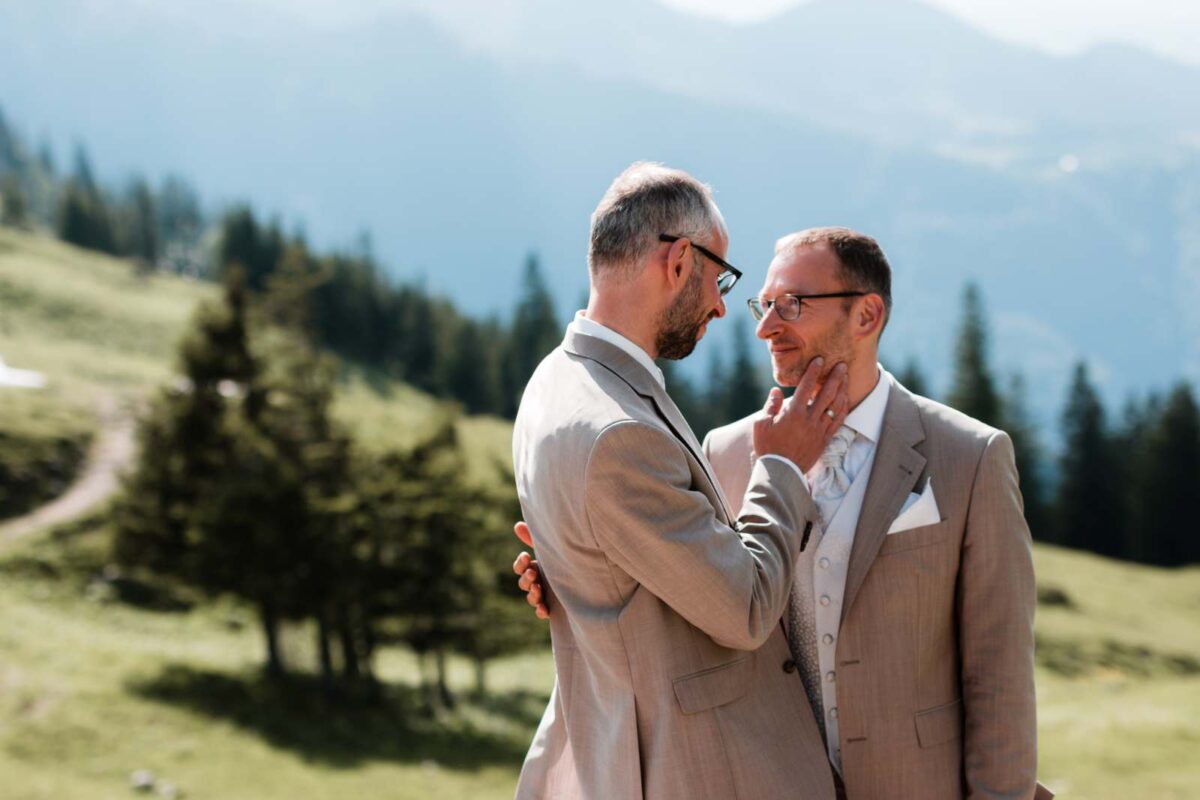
(463, 134)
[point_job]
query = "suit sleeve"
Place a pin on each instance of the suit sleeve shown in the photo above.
(996, 599)
(652, 523)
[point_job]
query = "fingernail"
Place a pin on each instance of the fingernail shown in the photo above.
(820, 362)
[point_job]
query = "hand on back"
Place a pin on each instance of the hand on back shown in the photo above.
(530, 574)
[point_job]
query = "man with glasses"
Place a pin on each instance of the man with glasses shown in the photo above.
(910, 622)
(911, 616)
(673, 675)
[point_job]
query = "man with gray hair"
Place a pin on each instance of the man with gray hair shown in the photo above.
(673, 675)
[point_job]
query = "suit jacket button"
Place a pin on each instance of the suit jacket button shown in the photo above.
(789, 666)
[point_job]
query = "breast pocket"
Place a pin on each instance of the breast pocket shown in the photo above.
(914, 538)
(713, 687)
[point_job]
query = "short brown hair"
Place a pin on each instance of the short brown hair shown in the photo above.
(864, 267)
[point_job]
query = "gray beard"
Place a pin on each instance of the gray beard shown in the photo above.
(681, 323)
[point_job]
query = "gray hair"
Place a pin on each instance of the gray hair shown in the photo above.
(646, 200)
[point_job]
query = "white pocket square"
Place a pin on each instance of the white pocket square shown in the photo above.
(919, 509)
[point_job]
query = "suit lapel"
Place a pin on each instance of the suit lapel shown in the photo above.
(629, 370)
(670, 412)
(897, 467)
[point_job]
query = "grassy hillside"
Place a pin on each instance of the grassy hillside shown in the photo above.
(88, 321)
(92, 689)
(98, 329)
(1119, 684)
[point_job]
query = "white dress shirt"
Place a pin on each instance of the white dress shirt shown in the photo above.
(581, 324)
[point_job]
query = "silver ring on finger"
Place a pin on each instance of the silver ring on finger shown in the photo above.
(830, 413)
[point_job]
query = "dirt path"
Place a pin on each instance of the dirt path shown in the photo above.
(110, 453)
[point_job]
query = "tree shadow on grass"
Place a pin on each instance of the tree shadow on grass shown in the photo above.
(1073, 659)
(354, 727)
(522, 706)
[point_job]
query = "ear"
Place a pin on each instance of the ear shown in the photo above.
(679, 262)
(869, 316)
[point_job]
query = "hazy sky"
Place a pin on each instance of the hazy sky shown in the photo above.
(1169, 27)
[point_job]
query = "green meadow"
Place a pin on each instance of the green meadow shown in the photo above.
(100, 679)
(94, 687)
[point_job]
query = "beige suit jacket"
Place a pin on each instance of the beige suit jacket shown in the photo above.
(668, 650)
(935, 653)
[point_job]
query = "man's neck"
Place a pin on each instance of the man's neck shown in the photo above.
(622, 322)
(864, 377)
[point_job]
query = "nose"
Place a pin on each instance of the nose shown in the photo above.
(769, 325)
(720, 311)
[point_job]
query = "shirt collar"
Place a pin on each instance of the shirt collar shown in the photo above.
(866, 418)
(588, 327)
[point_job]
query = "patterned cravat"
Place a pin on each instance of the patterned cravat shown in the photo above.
(829, 487)
(832, 482)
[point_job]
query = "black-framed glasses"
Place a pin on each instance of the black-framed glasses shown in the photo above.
(787, 306)
(729, 273)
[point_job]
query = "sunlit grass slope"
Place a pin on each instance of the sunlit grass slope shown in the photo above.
(97, 329)
(89, 322)
(1119, 677)
(92, 689)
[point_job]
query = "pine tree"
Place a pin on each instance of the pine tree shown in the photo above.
(913, 379)
(316, 455)
(14, 169)
(1130, 442)
(139, 228)
(84, 176)
(242, 477)
(75, 222)
(42, 189)
(12, 151)
(255, 248)
(974, 391)
(496, 620)
(288, 298)
(14, 211)
(83, 217)
(425, 518)
(1170, 483)
(1088, 513)
(180, 224)
(1028, 452)
(743, 391)
(535, 332)
(45, 159)
(474, 373)
(418, 347)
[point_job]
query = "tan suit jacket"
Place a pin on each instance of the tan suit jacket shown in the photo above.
(935, 652)
(668, 650)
